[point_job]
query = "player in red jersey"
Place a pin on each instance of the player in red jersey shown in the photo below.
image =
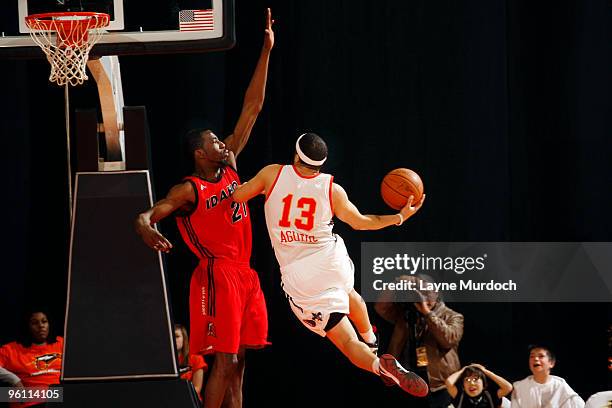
(227, 308)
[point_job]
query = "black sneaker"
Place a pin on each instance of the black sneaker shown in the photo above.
(391, 370)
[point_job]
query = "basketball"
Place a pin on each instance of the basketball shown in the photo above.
(398, 185)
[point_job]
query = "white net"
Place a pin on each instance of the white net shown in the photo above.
(66, 41)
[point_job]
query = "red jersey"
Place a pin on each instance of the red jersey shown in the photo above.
(217, 227)
(36, 366)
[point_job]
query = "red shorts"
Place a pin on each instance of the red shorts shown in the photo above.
(227, 308)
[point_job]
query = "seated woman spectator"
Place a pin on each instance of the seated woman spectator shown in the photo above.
(473, 388)
(36, 357)
(192, 366)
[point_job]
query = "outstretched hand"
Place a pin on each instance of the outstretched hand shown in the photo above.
(410, 208)
(154, 239)
(269, 33)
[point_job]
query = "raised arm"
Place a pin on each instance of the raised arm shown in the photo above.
(254, 96)
(180, 196)
(504, 386)
(346, 211)
(447, 332)
(450, 382)
(259, 184)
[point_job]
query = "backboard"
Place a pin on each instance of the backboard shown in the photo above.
(136, 27)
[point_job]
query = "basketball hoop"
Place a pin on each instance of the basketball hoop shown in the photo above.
(66, 39)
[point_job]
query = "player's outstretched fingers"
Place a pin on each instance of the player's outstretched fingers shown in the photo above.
(160, 243)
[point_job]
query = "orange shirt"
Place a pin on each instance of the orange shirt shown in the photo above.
(36, 366)
(196, 362)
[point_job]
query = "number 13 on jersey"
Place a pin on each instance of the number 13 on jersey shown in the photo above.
(305, 221)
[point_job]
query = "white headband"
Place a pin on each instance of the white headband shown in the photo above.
(305, 158)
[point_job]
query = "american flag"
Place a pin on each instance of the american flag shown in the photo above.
(196, 20)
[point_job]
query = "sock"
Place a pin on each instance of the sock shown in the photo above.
(376, 366)
(369, 336)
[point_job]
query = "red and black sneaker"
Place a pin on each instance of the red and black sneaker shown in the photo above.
(391, 370)
(388, 381)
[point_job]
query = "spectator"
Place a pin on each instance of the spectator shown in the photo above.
(473, 390)
(541, 389)
(426, 335)
(192, 366)
(36, 357)
(600, 400)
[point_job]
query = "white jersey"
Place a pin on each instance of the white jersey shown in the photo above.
(299, 215)
(316, 271)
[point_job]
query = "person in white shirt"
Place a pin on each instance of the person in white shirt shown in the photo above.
(316, 271)
(7, 377)
(600, 400)
(541, 389)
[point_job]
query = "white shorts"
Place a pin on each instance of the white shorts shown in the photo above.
(319, 285)
(315, 313)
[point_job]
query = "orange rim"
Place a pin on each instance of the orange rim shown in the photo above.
(49, 21)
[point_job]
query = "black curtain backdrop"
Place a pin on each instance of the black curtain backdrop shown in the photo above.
(501, 106)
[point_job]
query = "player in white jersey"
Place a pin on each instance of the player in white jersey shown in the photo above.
(316, 271)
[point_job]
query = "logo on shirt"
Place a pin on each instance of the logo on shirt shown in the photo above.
(185, 369)
(214, 200)
(43, 362)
